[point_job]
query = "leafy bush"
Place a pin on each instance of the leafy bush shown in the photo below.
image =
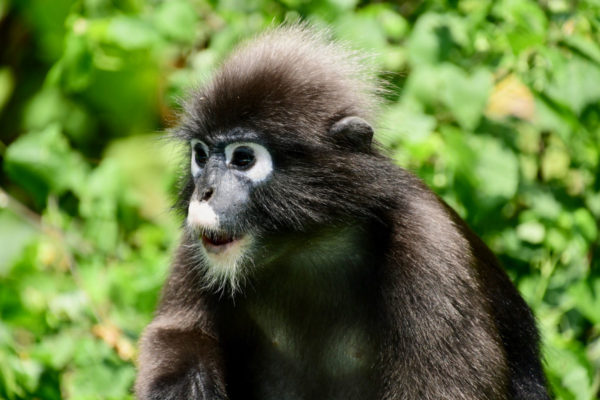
(495, 104)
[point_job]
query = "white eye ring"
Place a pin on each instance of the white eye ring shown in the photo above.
(263, 164)
(196, 169)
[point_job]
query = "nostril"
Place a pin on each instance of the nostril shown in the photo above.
(206, 194)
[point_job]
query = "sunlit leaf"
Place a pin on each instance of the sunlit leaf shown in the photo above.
(585, 46)
(497, 169)
(57, 351)
(525, 21)
(586, 223)
(131, 33)
(532, 232)
(403, 122)
(177, 20)
(574, 83)
(568, 368)
(510, 97)
(362, 31)
(555, 163)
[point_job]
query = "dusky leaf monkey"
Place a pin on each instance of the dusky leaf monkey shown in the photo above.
(312, 267)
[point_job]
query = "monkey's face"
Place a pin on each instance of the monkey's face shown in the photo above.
(257, 194)
(225, 171)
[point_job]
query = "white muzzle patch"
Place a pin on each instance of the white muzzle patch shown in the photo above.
(202, 215)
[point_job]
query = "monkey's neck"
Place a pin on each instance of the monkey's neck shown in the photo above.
(322, 267)
(321, 253)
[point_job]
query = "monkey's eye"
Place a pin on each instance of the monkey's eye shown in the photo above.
(200, 155)
(249, 158)
(243, 157)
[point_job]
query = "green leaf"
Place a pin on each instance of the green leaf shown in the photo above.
(100, 381)
(131, 33)
(393, 24)
(3, 8)
(100, 199)
(362, 31)
(69, 306)
(177, 20)
(525, 23)
(7, 83)
(43, 162)
(57, 351)
(584, 46)
(555, 163)
(556, 239)
(544, 205)
(593, 202)
(587, 298)
(434, 36)
(75, 69)
(424, 45)
(98, 373)
(573, 83)
(569, 370)
(497, 168)
(586, 224)
(405, 123)
(30, 373)
(50, 106)
(465, 95)
(531, 231)
(146, 165)
(549, 119)
(15, 234)
(343, 4)
(47, 24)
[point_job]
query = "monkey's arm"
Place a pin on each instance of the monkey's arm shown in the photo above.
(179, 351)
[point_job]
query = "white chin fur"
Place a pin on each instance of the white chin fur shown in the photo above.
(201, 215)
(223, 269)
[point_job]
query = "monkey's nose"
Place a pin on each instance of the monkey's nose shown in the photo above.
(206, 194)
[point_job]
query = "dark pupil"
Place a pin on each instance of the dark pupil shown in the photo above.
(243, 157)
(200, 155)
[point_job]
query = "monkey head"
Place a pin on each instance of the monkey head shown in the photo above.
(278, 146)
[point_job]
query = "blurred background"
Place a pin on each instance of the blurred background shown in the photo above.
(495, 104)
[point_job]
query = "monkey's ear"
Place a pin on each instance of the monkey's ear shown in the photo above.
(354, 132)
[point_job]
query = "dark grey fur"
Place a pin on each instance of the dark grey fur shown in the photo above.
(363, 283)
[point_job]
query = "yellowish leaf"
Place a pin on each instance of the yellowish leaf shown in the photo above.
(511, 98)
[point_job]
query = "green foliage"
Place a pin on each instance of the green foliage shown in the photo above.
(495, 104)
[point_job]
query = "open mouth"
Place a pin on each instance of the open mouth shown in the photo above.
(217, 242)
